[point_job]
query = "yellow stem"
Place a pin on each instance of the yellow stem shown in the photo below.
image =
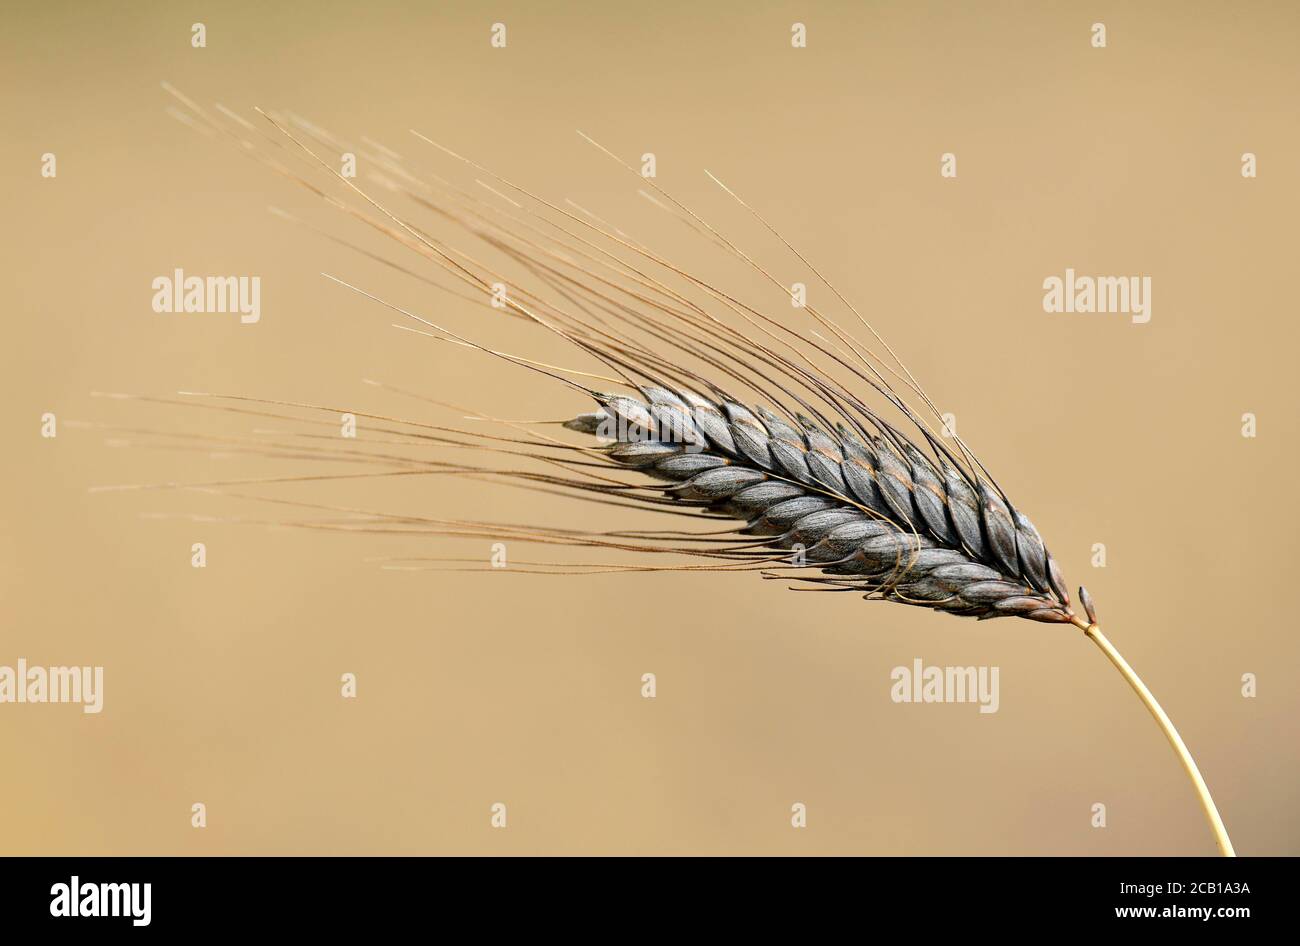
(1166, 725)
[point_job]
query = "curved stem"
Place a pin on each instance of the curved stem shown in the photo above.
(1093, 631)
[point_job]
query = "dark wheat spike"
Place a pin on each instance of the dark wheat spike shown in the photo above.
(889, 521)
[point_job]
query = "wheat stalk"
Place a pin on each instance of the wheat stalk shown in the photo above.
(816, 480)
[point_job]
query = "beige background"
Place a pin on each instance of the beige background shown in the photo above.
(222, 683)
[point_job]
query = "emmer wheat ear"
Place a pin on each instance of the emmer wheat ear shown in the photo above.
(708, 408)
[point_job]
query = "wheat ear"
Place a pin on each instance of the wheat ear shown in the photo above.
(843, 499)
(890, 515)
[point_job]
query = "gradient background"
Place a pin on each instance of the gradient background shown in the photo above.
(222, 684)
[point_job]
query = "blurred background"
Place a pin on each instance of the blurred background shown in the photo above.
(222, 684)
